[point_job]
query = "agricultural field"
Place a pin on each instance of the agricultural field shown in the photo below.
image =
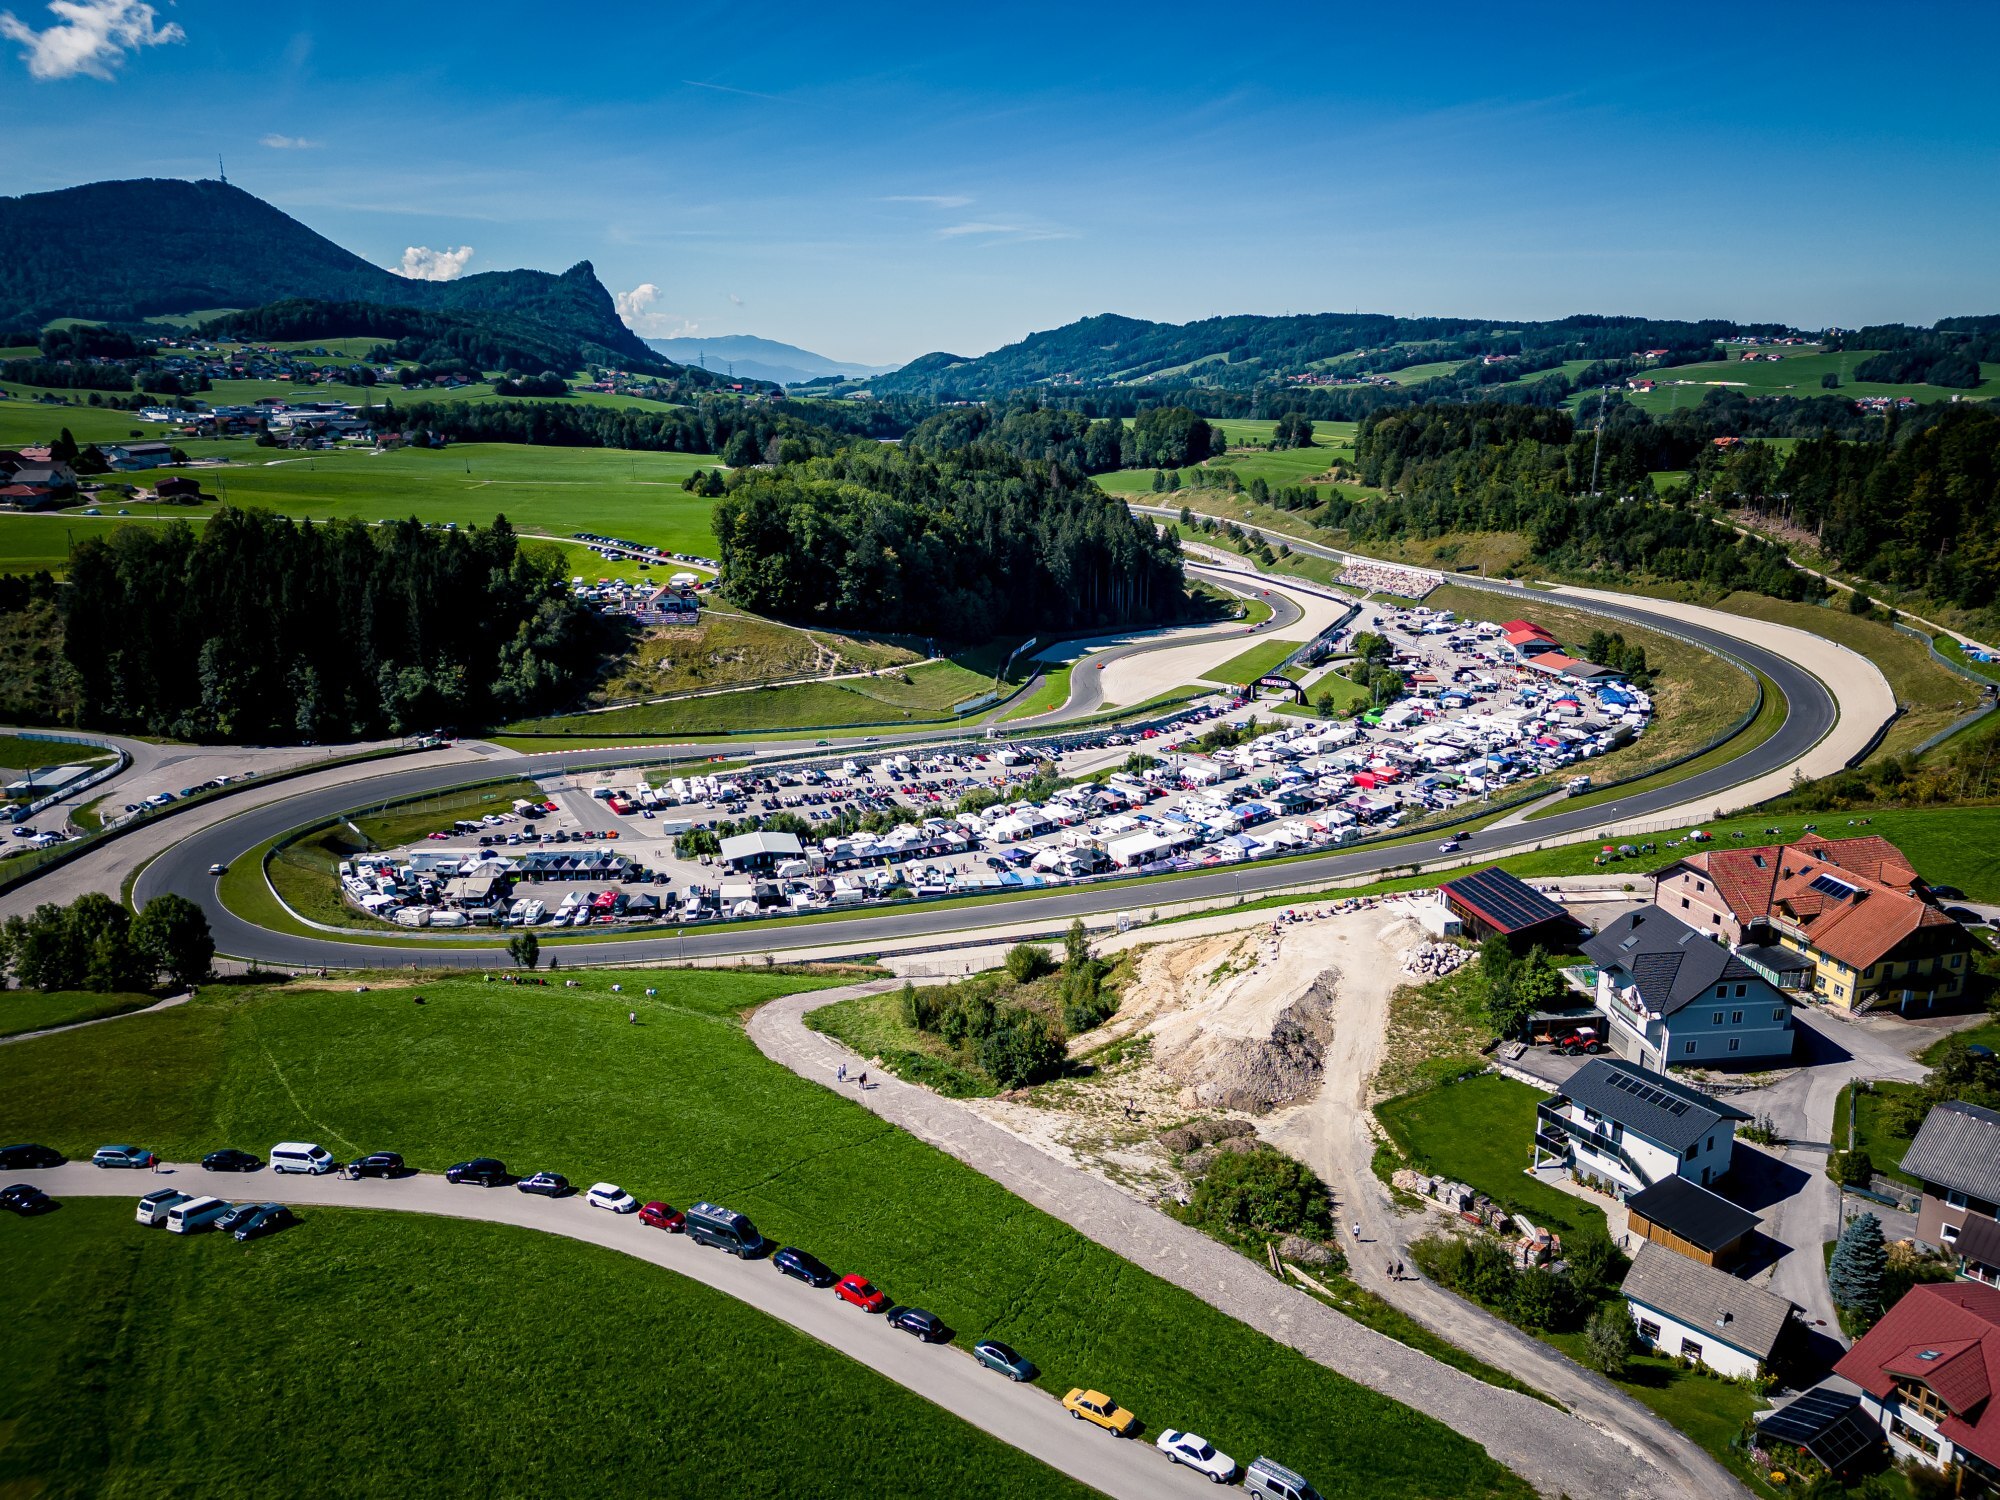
(1797, 374)
(437, 1355)
(680, 1106)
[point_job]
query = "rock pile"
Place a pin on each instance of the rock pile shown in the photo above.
(1433, 960)
(1453, 1197)
(1304, 1252)
(1185, 1138)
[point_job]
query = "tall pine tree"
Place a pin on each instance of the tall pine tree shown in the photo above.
(1855, 1274)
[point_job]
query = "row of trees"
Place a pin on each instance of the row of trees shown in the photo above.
(95, 944)
(969, 545)
(258, 627)
(1025, 428)
(742, 432)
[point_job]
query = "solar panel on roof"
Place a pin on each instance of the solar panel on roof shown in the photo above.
(1827, 885)
(1508, 901)
(1647, 1093)
(1830, 1425)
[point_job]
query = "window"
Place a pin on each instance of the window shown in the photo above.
(1735, 1043)
(1684, 903)
(1716, 1019)
(1778, 1014)
(1904, 1432)
(1953, 960)
(1688, 1048)
(1649, 1330)
(1953, 1198)
(1690, 1350)
(1741, 990)
(1948, 1233)
(1921, 1398)
(1711, 1143)
(1736, 1018)
(1720, 991)
(1701, 885)
(1697, 1145)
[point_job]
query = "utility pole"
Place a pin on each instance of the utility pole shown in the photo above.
(1597, 448)
(218, 169)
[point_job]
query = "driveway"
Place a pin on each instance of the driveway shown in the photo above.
(1021, 1415)
(1604, 1450)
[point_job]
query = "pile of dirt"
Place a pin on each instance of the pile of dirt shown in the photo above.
(1184, 1138)
(1259, 1074)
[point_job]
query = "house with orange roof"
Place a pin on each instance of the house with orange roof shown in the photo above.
(1855, 910)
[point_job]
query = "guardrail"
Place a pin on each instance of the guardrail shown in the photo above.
(96, 778)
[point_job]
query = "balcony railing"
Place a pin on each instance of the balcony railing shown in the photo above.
(1551, 1122)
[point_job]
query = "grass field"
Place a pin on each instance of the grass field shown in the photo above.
(1050, 694)
(21, 756)
(1481, 1132)
(1797, 374)
(926, 698)
(1249, 665)
(435, 1357)
(1873, 1130)
(730, 647)
(682, 1106)
(31, 1010)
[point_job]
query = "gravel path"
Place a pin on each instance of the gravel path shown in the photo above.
(1021, 1415)
(1628, 1456)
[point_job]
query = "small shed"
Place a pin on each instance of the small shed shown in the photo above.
(1492, 901)
(1690, 1220)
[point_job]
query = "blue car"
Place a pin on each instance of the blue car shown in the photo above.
(800, 1265)
(1000, 1357)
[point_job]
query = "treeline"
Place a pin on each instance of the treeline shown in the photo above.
(261, 628)
(1025, 428)
(95, 944)
(65, 376)
(1949, 366)
(1920, 510)
(742, 432)
(479, 340)
(1455, 469)
(968, 544)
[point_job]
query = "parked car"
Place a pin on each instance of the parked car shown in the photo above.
(547, 1184)
(264, 1218)
(859, 1292)
(236, 1218)
(155, 1206)
(229, 1159)
(801, 1265)
(724, 1229)
(376, 1164)
(914, 1320)
(24, 1198)
(197, 1214)
(28, 1157)
(1096, 1407)
(1193, 1451)
(301, 1156)
(662, 1216)
(611, 1196)
(122, 1156)
(1001, 1357)
(1270, 1480)
(487, 1171)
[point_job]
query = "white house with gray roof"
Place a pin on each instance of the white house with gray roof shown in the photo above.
(1672, 997)
(1695, 1312)
(1956, 1156)
(1630, 1128)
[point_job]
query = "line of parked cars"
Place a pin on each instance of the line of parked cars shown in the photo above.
(705, 1223)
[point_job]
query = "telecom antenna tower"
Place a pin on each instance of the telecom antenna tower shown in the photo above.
(1597, 447)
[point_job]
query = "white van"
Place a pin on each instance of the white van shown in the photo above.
(196, 1214)
(156, 1205)
(301, 1156)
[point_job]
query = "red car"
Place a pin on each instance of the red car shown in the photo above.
(859, 1291)
(663, 1216)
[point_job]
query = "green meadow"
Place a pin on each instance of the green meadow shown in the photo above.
(1798, 373)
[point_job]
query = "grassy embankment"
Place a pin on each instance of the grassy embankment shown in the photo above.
(1798, 373)
(31, 1010)
(436, 1356)
(1247, 666)
(683, 1106)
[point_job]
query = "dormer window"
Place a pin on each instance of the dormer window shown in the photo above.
(1921, 1398)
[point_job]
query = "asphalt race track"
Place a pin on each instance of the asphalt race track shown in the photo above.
(183, 868)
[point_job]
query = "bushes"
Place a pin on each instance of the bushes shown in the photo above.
(1608, 1339)
(1536, 1297)
(1855, 1169)
(1265, 1192)
(1027, 962)
(1023, 1047)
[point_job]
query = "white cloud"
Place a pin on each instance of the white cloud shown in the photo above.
(288, 142)
(421, 263)
(635, 310)
(989, 229)
(90, 37)
(933, 200)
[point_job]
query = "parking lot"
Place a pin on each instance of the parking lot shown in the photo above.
(841, 829)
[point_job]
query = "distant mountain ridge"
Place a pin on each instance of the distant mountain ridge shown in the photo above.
(125, 251)
(761, 359)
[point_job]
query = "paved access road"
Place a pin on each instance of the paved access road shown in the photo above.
(1812, 713)
(1023, 1416)
(1610, 1447)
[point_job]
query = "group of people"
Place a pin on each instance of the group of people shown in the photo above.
(1386, 578)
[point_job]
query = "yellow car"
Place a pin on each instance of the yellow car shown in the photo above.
(1095, 1406)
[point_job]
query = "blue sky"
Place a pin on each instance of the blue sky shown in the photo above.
(875, 181)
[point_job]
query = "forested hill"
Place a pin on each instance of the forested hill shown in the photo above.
(121, 251)
(1240, 352)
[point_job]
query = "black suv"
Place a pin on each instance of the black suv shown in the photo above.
(484, 1170)
(377, 1164)
(229, 1159)
(803, 1266)
(25, 1198)
(26, 1156)
(260, 1219)
(927, 1326)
